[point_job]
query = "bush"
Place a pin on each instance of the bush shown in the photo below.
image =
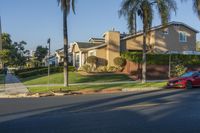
(119, 61)
(43, 71)
(113, 69)
(1, 71)
(86, 68)
(92, 60)
(102, 69)
(162, 59)
(177, 69)
(27, 70)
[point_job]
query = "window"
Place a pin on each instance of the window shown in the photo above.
(77, 60)
(92, 53)
(182, 37)
(165, 31)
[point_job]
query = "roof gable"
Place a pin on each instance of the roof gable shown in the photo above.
(160, 27)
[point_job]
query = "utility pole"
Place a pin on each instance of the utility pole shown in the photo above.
(170, 60)
(49, 53)
(1, 47)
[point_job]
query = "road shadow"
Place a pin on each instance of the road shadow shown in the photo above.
(99, 116)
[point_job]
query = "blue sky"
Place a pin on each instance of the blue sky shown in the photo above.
(36, 20)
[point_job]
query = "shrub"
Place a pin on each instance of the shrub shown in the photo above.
(119, 61)
(27, 70)
(102, 69)
(86, 68)
(162, 59)
(112, 69)
(92, 60)
(1, 71)
(177, 69)
(43, 71)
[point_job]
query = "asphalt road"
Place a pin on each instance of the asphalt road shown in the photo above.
(168, 111)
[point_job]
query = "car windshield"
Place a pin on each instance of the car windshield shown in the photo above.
(188, 74)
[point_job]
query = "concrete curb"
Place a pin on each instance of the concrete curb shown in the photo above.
(141, 89)
(38, 95)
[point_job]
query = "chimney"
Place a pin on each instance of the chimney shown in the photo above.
(112, 39)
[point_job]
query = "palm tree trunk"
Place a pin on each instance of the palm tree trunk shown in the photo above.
(135, 22)
(144, 52)
(65, 49)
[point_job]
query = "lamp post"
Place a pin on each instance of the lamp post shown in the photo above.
(170, 60)
(49, 42)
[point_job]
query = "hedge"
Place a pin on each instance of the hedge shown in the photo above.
(162, 59)
(1, 71)
(43, 71)
(27, 70)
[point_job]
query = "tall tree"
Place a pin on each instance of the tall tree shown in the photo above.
(6, 40)
(40, 53)
(145, 10)
(130, 15)
(66, 5)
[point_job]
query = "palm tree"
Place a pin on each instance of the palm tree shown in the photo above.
(196, 7)
(66, 5)
(145, 10)
(130, 15)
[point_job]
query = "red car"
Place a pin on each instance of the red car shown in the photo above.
(187, 80)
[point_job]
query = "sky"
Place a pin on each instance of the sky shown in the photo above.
(34, 21)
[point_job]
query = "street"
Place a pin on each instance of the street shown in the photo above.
(161, 111)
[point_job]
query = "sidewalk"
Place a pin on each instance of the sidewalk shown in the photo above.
(14, 86)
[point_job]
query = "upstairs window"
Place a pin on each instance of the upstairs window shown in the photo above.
(92, 53)
(182, 37)
(165, 31)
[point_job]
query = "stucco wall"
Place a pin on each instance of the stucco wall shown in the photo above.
(171, 41)
(162, 43)
(76, 48)
(112, 39)
(101, 54)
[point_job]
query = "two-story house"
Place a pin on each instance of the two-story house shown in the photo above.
(175, 37)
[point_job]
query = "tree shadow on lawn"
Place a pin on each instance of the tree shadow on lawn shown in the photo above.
(78, 78)
(33, 77)
(103, 78)
(98, 116)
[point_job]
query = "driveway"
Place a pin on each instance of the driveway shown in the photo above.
(166, 111)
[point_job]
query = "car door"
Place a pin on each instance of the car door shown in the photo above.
(196, 81)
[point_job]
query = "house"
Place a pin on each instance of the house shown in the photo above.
(60, 55)
(52, 60)
(175, 37)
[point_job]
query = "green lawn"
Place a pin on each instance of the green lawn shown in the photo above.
(74, 78)
(98, 87)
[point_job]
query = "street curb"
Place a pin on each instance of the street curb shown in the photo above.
(50, 94)
(141, 89)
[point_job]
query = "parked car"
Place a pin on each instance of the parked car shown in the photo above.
(188, 80)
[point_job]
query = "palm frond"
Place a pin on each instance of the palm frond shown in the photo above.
(196, 7)
(165, 7)
(66, 5)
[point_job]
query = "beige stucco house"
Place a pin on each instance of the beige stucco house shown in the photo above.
(175, 37)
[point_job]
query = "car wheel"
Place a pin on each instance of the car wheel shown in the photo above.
(189, 85)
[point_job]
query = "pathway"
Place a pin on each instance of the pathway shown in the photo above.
(14, 86)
